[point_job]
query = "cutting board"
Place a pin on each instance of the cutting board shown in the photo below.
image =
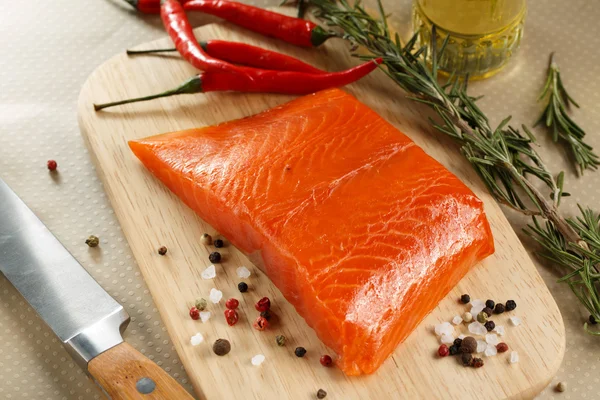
(151, 217)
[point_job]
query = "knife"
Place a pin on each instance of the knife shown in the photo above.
(86, 318)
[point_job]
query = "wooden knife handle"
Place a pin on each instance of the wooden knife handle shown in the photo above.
(125, 373)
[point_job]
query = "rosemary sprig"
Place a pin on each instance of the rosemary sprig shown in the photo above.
(503, 156)
(556, 118)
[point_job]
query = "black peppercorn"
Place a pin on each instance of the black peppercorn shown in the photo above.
(453, 350)
(300, 351)
(469, 345)
(221, 347)
(243, 287)
(321, 394)
(477, 363)
(510, 305)
(266, 315)
(488, 311)
(465, 299)
(214, 257)
(218, 243)
(162, 250)
(457, 342)
(499, 309)
(490, 304)
(593, 320)
(466, 359)
(490, 325)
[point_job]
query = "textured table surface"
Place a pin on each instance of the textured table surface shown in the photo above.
(48, 52)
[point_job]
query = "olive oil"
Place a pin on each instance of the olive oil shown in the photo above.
(484, 34)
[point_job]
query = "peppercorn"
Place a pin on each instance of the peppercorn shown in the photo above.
(260, 324)
(490, 303)
(263, 304)
(92, 241)
(214, 257)
(499, 309)
(467, 317)
(466, 359)
(592, 320)
(243, 287)
(206, 239)
(201, 304)
(300, 351)
(489, 311)
(194, 313)
(219, 243)
(510, 305)
(231, 316)
(561, 386)
(280, 339)
(321, 394)
(454, 350)
(469, 345)
(490, 325)
(443, 350)
(465, 299)
(482, 317)
(162, 250)
(221, 347)
(457, 342)
(232, 303)
(52, 165)
(266, 315)
(326, 360)
(502, 347)
(477, 363)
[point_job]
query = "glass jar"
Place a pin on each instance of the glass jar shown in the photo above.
(484, 34)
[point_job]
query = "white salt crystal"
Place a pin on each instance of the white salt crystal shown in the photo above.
(442, 328)
(209, 272)
(475, 310)
(500, 330)
(481, 346)
(492, 339)
(457, 320)
(516, 321)
(447, 339)
(197, 339)
(204, 316)
(215, 295)
(461, 336)
(514, 357)
(477, 302)
(242, 272)
(258, 359)
(490, 350)
(477, 328)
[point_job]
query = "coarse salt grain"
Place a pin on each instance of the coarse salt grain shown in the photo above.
(481, 346)
(209, 273)
(447, 339)
(457, 320)
(514, 357)
(492, 339)
(461, 336)
(490, 350)
(204, 316)
(476, 307)
(197, 339)
(500, 330)
(443, 328)
(242, 272)
(516, 321)
(215, 295)
(476, 328)
(258, 359)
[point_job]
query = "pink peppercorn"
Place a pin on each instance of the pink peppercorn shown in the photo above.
(194, 313)
(231, 316)
(443, 351)
(52, 165)
(232, 304)
(260, 324)
(502, 347)
(263, 304)
(326, 360)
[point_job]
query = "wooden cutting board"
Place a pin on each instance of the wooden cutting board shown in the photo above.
(151, 217)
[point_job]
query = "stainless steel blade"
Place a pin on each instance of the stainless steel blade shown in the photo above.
(86, 318)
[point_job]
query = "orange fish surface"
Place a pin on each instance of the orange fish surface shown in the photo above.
(361, 230)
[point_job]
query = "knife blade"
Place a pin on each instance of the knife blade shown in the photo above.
(87, 320)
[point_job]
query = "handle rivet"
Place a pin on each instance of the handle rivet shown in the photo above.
(145, 385)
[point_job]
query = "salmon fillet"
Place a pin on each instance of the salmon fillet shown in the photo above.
(361, 231)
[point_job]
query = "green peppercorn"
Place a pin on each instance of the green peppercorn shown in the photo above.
(206, 239)
(92, 241)
(280, 339)
(162, 250)
(510, 305)
(490, 304)
(592, 320)
(457, 342)
(466, 359)
(243, 287)
(221, 347)
(488, 311)
(300, 351)
(214, 257)
(465, 299)
(219, 243)
(321, 394)
(468, 345)
(499, 309)
(201, 304)
(490, 325)
(453, 350)
(477, 363)
(482, 317)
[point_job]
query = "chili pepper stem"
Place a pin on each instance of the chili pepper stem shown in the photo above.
(318, 36)
(192, 85)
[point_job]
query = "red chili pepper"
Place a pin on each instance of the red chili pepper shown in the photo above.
(262, 81)
(146, 6)
(289, 29)
(248, 55)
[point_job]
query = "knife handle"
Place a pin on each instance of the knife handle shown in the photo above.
(125, 373)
